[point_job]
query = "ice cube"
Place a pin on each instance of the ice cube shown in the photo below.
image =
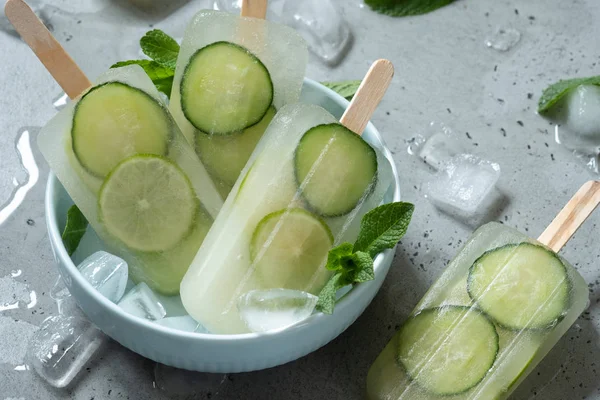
(266, 310)
(107, 273)
(463, 184)
(183, 323)
(581, 119)
(440, 147)
(321, 24)
(503, 39)
(61, 347)
(172, 305)
(143, 303)
(187, 384)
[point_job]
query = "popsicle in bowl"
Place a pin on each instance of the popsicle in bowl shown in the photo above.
(123, 160)
(233, 74)
(304, 190)
(491, 317)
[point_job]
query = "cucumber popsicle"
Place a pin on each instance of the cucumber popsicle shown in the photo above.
(233, 74)
(129, 169)
(491, 317)
(304, 190)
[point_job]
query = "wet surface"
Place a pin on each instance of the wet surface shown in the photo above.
(444, 72)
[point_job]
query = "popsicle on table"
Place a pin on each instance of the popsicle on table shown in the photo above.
(304, 190)
(491, 317)
(124, 162)
(233, 74)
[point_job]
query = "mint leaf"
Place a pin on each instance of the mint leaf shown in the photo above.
(364, 267)
(335, 256)
(553, 93)
(74, 229)
(161, 76)
(404, 8)
(382, 227)
(326, 302)
(160, 47)
(346, 89)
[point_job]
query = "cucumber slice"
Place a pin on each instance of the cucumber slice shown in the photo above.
(148, 203)
(225, 89)
(225, 156)
(114, 121)
(335, 168)
(447, 350)
(520, 286)
(288, 247)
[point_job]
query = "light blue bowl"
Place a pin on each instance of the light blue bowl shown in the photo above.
(220, 353)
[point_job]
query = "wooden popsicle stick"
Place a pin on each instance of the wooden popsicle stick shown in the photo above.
(54, 57)
(367, 97)
(570, 218)
(254, 8)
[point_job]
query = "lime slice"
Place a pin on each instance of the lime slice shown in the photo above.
(148, 203)
(288, 247)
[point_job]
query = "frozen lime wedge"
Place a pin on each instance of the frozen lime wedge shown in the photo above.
(289, 247)
(148, 203)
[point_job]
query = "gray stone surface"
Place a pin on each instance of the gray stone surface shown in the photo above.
(444, 72)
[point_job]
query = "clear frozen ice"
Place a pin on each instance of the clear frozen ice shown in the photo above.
(322, 25)
(274, 9)
(274, 309)
(186, 384)
(440, 147)
(581, 113)
(463, 184)
(61, 347)
(107, 273)
(503, 39)
(182, 323)
(143, 303)
(172, 305)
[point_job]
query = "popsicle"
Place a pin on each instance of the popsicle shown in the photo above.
(124, 162)
(233, 74)
(491, 317)
(304, 190)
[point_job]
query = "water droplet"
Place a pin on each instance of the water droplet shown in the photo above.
(15, 272)
(414, 143)
(23, 145)
(32, 299)
(503, 39)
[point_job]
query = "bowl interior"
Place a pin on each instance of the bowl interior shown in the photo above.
(58, 202)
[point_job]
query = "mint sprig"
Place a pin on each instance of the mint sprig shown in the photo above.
(405, 8)
(160, 47)
(380, 229)
(74, 229)
(161, 76)
(346, 89)
(553, 93)
(163, 50)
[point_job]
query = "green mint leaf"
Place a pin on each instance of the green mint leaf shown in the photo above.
(346, 89)
(161, 76)
(74, 229)
(160, 47)
(326, 302)
(553, 93)
(335, 256)
(364, 267)
(383, 227)
(404, 8)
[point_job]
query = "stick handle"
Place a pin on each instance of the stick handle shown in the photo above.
(56, 60)
(254, 8)
(367, 97)
(572, 216)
